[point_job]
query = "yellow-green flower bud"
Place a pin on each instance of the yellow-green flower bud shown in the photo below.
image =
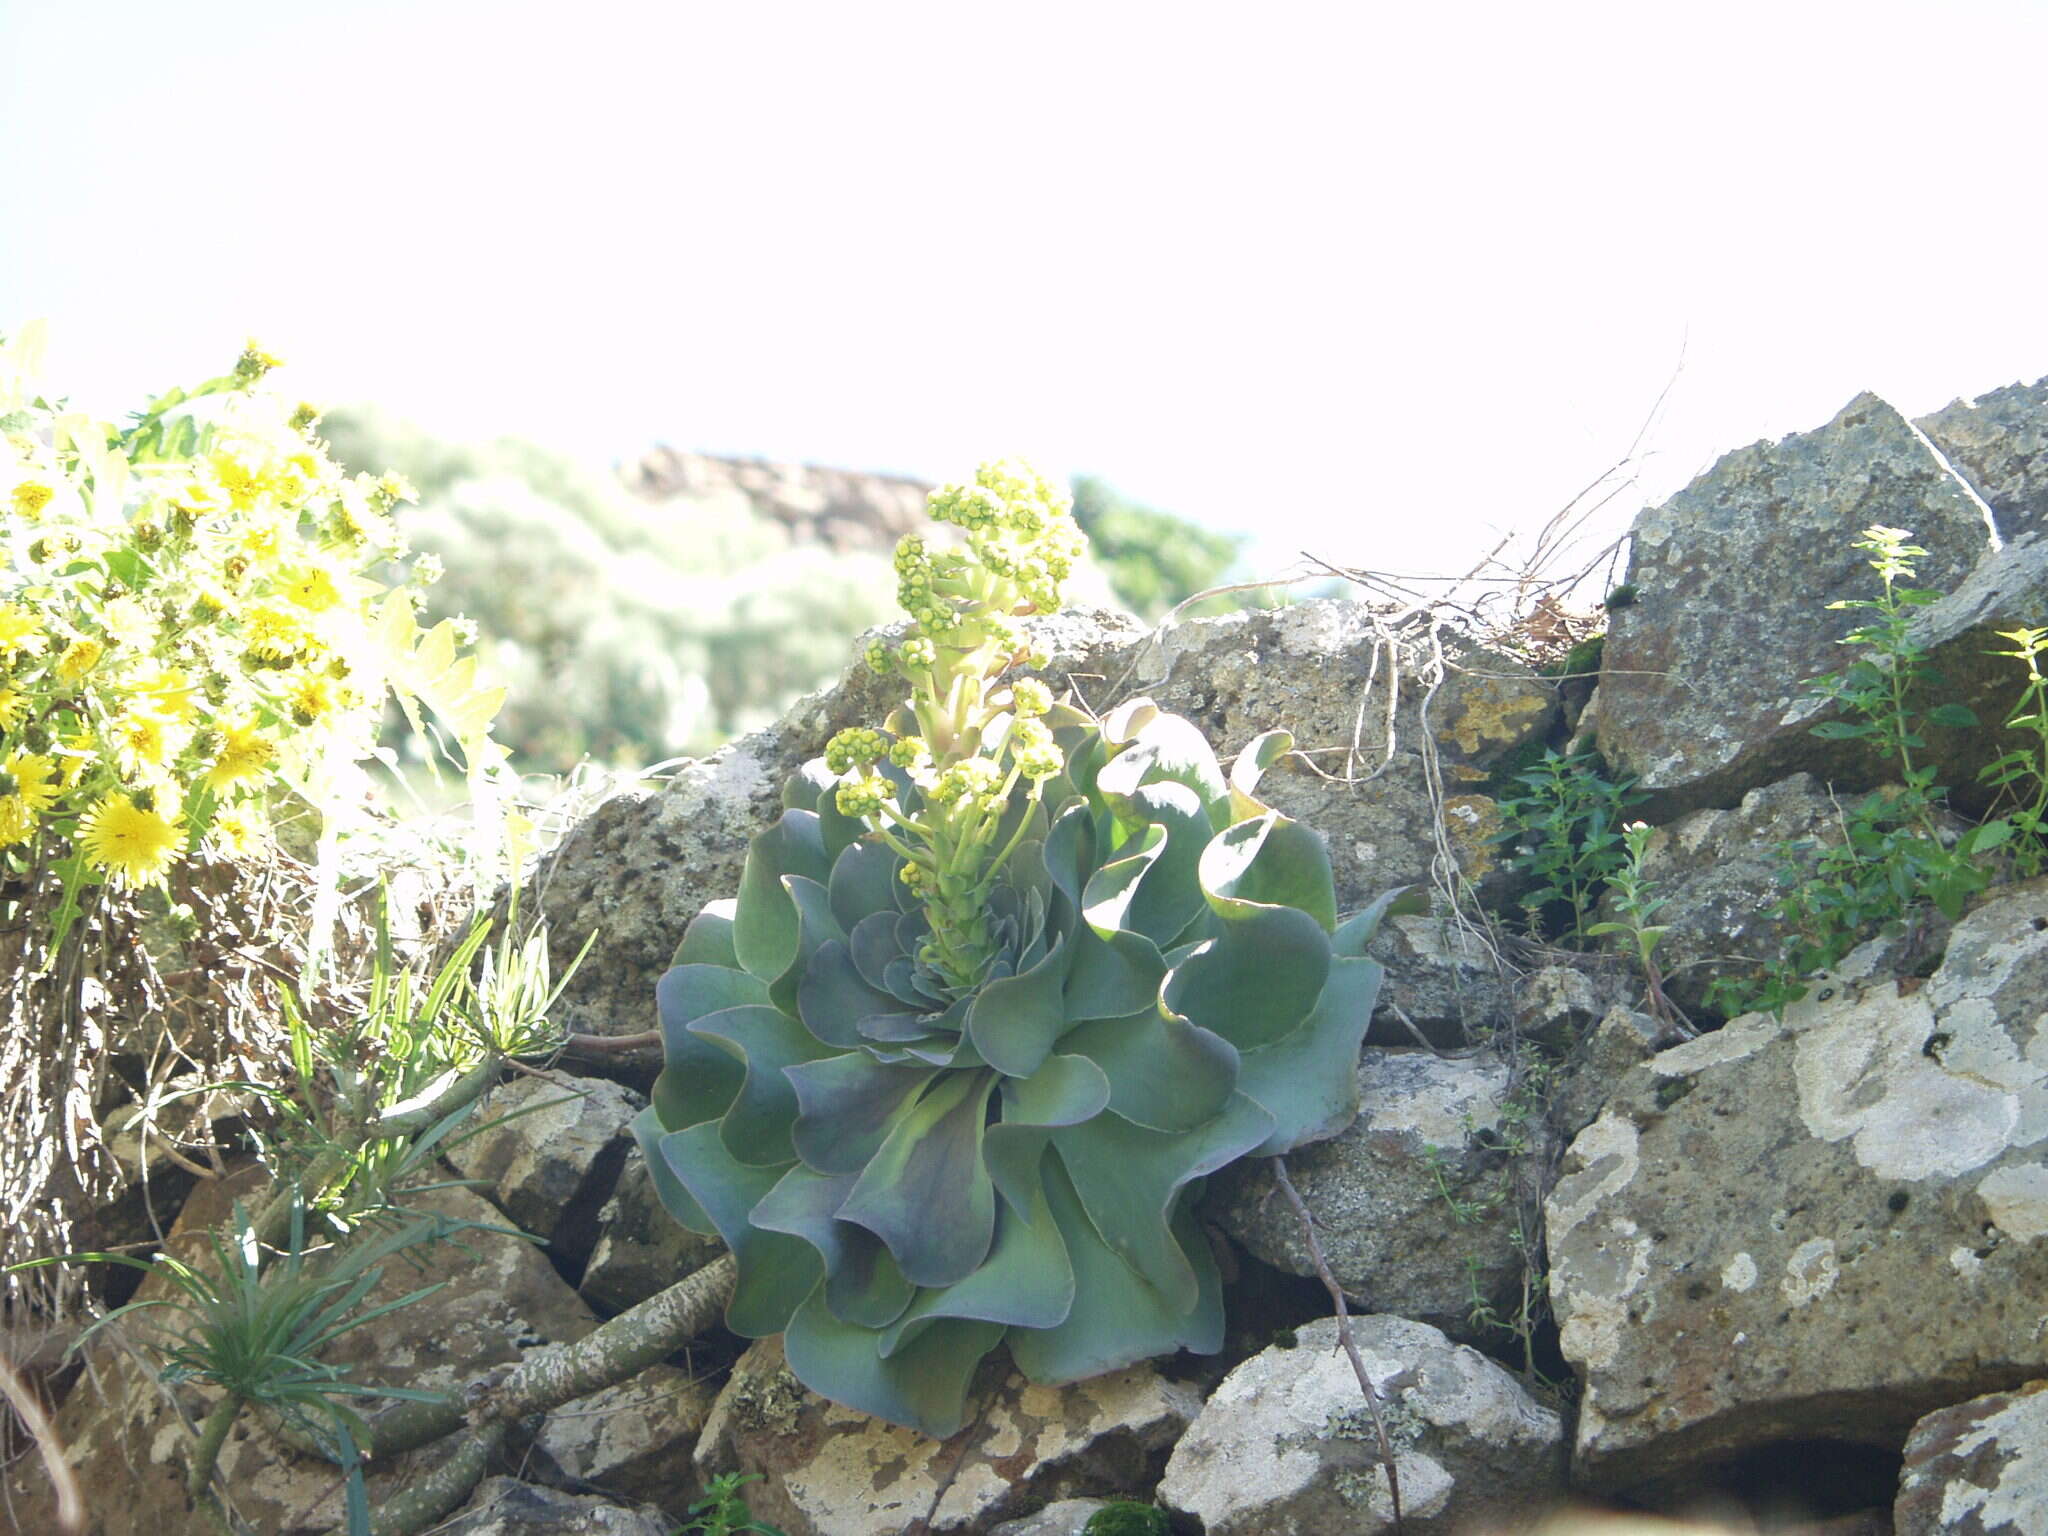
(865, 796)
(1033, 750)
(879, 658)
(910, 752)
(917, 651)
(1030, 698)
(854, 747)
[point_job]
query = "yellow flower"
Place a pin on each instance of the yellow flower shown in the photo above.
(79, 658)
(273, 633)
(167, 693)
(29, 499)
(13, 705)
(132, 842)
(244, 753)
(312, 700)
(21, 632)
(73, 753)
(143, 741)
(236, 480)
(129, 622)
(312, 588)
(238, 831)
(34, 779)
(17, 820)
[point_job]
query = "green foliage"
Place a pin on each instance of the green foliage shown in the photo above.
(1153, 559)
(1636, 902)
(723, 1511)
(2022, 773)
(1126, 1517)
(1001, 987)
(682, 624)
(1891, 863)
(1565, 829)
(255, 1332)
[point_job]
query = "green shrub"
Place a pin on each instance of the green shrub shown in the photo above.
(1002, 986)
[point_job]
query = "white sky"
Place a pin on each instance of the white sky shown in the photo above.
(1379, 280)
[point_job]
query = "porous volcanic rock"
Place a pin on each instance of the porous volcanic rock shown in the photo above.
(498, 1298)
(1999, 443)
(1701, 694)
(641, 1249)
(634, 1440)
(504, 1506)
(1286, 1446)
(829, 1471)
(1814, 1229)
(549, 1151)
(1415, 1205)
(1978, 1469)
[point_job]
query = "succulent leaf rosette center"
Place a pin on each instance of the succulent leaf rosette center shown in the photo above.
(1002, 986)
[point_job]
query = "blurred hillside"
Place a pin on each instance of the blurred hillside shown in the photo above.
(664, 609)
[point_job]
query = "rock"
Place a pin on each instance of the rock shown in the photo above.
(1286, 1445)
(840, 509)
(1416, 1204)
(640, 866)
(550, 1149)
(829, 1471)
(1068, 1517)
(1701, 693)
(633, 1441)
(1445, 975)
(498, 1298)
(641, 1249)
(1717, 873)
(1560, 1004)
(1978, 1469)
(504, 1506)
(1818, 1229)
(1999, 443)
(1621, 1040)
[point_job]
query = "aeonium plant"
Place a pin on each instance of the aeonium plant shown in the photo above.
(1003, 985)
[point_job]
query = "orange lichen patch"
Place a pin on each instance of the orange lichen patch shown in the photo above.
(1498, 713)
(1474, 825)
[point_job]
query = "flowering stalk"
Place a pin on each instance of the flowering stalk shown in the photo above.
(978, 736)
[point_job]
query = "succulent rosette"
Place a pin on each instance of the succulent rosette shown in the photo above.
(951, 1071)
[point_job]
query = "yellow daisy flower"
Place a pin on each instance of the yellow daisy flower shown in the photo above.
(134, 844)
(236, 480)
(17, 820)
(33, 776)
(143, 741)
(13, 705)
(21, 632)
(79, 658)
(273, 633)
(29, 498)
(74, 752)
(238, 831)
(312, 700)
(245, 752)
(168, 693)
(313, 588)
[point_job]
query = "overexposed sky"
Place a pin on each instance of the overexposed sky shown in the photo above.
(1382, 281)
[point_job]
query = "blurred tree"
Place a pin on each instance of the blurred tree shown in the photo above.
(1153, 559)
(624, 631)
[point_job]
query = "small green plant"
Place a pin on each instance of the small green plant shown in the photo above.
(1637, 904)
(1892, 864)
(1003, 985)
(2022, 773)
(255, 1331)
(723, 1510)
(1564, 827)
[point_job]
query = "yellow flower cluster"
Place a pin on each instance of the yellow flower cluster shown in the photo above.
(190, 622)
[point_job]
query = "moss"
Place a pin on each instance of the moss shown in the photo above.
(1125, 1518)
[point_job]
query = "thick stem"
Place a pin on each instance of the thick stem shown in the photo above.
(213, 1434)
(428, 1500)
